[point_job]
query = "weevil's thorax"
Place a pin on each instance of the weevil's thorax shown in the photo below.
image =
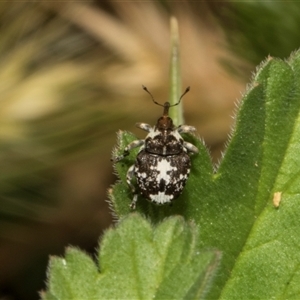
(164, 139)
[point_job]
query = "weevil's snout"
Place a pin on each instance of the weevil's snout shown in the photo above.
(166, 109)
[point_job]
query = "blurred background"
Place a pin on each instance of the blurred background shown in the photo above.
(71, 76)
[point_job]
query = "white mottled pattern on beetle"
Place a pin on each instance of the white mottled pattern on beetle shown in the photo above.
(162, 174)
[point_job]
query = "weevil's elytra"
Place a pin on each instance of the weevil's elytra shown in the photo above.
(163, 164)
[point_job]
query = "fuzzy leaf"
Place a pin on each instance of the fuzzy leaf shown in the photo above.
(234, 206)
(72, 277)
(137, 261)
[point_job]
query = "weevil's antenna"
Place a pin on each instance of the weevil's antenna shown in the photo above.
(186, 91)
(145, 89)
(164, 105)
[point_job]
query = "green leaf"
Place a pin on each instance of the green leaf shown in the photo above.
(137, 261)
(270, 256)
(233, 206)
(72, 277)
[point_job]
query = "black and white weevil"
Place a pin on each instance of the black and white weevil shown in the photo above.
(163, 163)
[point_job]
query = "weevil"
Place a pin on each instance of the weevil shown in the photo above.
(163, 163)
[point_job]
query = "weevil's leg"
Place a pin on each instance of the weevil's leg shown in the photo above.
(190, 147)
(129, 177)
(128, 148)
(144, 126)
(133, 203)
(186, 128)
